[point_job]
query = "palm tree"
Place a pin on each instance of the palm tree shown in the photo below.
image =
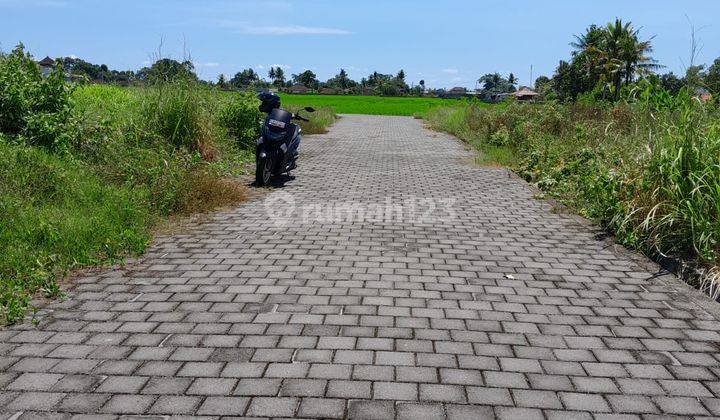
(587, 49)
(614, 54)
(614, 39)
(635, 56)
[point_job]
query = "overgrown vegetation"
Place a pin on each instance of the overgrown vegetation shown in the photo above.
(646, 167)
(86, 171)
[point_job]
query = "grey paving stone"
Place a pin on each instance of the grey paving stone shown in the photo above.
(371, 410)
(223, 406)
(489, 396)
(442, 393)
(128, 404)
(584, 402)
(322, 408)
(406, 411)
(469, 412)
(272, 407)
(175, 404)
(395, 391)
(349, 389)
(83, 403)
(303, 388)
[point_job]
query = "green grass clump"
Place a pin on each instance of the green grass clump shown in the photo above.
(371, 105)
(647, 168)
(320, 120)
(55, 215)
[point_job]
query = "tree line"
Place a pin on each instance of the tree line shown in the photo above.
(604, 61)
(168, 69)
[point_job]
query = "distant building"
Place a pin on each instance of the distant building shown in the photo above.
(525, 94)
(455, 93)
(328, 91)
(46, 66)
(298, 89)
(703, 94)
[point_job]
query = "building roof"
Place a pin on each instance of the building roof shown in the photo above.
(46, 62)
(298, 87)
(525, 91)
(457, 89)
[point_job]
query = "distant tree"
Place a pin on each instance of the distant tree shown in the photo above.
(222, 83)
(340, 81)
(279, 79)
(712, 78)
(671, 83)
(167, 69)
(542, 84)
(271, 73)
(79, 68)
(245, 79)
(401, 76)
(422, 85)
(307, 79)
(695, 77)
(570, 80)
(386, 84)
(512, 81)
(494, 84)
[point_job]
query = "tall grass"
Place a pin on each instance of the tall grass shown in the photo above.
(320, 120)
(647, 168)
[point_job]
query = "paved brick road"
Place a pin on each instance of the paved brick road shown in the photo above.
(500, 307)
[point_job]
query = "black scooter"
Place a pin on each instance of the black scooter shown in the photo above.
(276, 149)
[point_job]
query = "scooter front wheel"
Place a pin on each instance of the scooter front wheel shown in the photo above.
(263, 170)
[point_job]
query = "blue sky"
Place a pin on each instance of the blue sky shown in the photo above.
(446, 43)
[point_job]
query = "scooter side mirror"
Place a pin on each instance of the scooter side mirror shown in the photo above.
(309, 109)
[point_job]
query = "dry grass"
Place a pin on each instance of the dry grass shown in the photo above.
(203, 192)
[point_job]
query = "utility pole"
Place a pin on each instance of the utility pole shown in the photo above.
(532, 82)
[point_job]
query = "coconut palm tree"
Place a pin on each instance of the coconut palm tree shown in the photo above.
(614, 54)
(587, 48)
(635, 56)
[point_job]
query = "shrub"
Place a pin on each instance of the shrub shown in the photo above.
(34, 108)
(241, 117)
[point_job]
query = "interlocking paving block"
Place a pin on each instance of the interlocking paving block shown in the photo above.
(409, 283)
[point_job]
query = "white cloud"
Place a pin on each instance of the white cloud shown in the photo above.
(450, 71)
(268, 66)
(210, 64)
(250, 29)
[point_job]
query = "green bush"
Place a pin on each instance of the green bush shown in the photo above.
(241, 117)
(33, 108)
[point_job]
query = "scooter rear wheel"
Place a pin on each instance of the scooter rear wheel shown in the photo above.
(263, 171)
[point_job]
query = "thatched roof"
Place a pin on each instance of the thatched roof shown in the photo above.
(297, 89)
(525, 91)
(46, 62)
